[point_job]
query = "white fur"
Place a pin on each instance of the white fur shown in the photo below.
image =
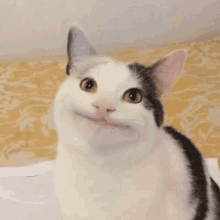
(115, 173)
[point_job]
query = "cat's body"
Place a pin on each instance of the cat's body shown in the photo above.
(115, 160)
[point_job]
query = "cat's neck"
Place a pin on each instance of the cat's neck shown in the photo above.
(124, 159)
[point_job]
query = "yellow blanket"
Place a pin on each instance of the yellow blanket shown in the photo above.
(28, 88)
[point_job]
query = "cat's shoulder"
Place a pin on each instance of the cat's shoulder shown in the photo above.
(188, 148)
(196, 169)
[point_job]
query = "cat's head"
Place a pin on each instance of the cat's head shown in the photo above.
(104, 102)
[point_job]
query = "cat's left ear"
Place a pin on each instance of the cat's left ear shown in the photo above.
(77, 46)
(167, 70)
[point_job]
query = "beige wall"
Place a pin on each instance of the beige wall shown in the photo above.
(33, 28)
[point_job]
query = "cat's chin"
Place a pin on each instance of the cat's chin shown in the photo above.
(103, 123)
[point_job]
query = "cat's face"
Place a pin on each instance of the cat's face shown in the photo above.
(105, 105)
(106, 102)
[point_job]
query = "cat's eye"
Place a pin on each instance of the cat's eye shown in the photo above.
(88, 85)
(133, 96)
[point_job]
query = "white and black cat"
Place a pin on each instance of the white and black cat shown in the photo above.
(115, 159)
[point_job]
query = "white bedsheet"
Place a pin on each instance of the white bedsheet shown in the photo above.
(27, 193)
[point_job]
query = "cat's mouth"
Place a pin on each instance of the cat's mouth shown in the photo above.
(103, 122)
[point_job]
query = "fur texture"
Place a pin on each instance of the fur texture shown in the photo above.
(115, 159)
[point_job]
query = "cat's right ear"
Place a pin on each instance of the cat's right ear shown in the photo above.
(77, 46)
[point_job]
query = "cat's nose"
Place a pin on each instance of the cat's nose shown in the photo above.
(100, 109)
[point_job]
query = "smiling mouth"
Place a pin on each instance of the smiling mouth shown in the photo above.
(103, 122)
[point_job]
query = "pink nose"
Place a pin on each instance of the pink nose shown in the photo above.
(103, 110)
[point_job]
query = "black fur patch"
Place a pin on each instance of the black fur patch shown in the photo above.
(216, 192)
(148, 81)
(68, 69)
(196, 169)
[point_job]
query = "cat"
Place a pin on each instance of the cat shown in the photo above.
(115, 159)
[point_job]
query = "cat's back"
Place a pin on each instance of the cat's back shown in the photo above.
(203, 189)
